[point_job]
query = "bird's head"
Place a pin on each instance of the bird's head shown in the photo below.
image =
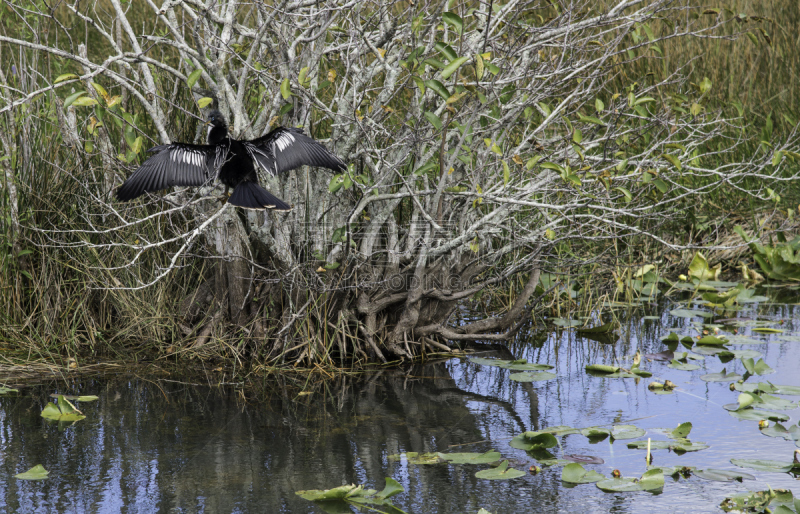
(216, 119)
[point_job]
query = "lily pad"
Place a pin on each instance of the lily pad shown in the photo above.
(654, 445)
(575, 474)
(684, 445)
(774, 403)
(758, 414)
(354, 495)
(665, 356)
(678, 446)
(471, 458)
(757, 501)
(757, 368)
(626, 432)
(652, 480)
(712, 341)
(419, 458)
(35, 473)
(739, 339)
(602, 368)
(517, 365)
(596, 434)
(554, 462)
(723, 475)
(532, 377)
(776, 430)
(682, 431)
(690, 313)
(533, 441)
(65, 411)
(764, 465)
(584, 459)
(722, 376)
(682, 366)
(501, 472)
(560, 430)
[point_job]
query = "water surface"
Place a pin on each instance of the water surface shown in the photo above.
(155, 444)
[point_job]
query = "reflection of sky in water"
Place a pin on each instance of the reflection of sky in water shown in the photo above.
(158, 446)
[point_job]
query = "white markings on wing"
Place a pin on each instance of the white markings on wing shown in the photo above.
(284, 141)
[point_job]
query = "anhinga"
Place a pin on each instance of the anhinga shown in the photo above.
(231, 162)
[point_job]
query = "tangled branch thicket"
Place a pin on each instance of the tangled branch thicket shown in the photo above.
(480, 137)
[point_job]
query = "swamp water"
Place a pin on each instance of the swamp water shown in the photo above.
(156, 445)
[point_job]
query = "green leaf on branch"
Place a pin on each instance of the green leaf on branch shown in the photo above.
(454, 21)
(84, 101)
(434, 120)
(673, 160)
(65, 77)
(191, 80)
(286, 91)
(438, 87)
(204, 102)
(453, 66)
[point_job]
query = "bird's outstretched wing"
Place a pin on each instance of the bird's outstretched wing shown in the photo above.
(176, 164)
(285, 149)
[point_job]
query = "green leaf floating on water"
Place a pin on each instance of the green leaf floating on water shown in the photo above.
(560, 430)
(65, 411)
(501, 472)
(778, 430)
(532, 377)
(576, 474)
(606, 371)
(775, 466)
(678, 446)
(757, 501)
(682, 366)
(417, 458)
(626, 432)
(682, 431)
(752, 414)
(602, 368)
(533, 441)
(354, 495)
(518, 365)
(712, 341)
(671, 338)
(596, 434)
(722, 376)
(768, 387)
(651, 480)
(722, 475)
(471, 458)
(35, 473)
(757, 368)
(6, 390)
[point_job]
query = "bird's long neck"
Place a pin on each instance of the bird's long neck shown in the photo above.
(216, 134)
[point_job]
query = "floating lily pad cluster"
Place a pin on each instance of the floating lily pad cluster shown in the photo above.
(65, 413)
(610, 371)
(357, 496)
(529, 371)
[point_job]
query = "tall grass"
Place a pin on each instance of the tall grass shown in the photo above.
(49, 309)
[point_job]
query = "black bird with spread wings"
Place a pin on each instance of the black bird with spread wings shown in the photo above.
(230, 161)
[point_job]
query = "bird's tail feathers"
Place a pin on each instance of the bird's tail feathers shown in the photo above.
(250, 195)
